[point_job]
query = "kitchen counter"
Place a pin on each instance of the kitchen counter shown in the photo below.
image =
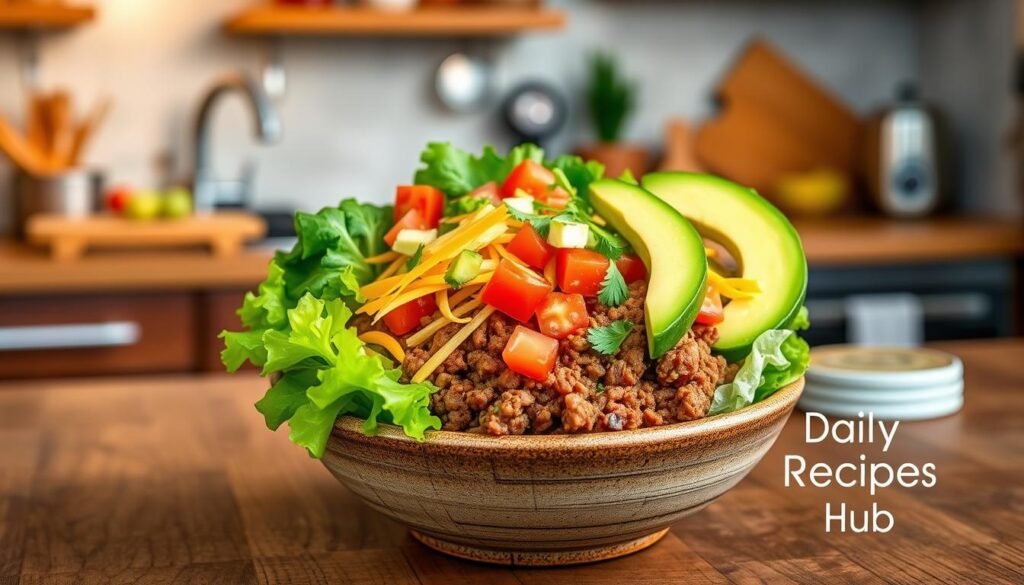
(175, 479)
(25, 269)
(879, 240)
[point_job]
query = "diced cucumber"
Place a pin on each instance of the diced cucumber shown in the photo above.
(522, 204)
(464, 268)
(568, 234)
(409, 240)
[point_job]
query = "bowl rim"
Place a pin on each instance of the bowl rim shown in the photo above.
(779, 403)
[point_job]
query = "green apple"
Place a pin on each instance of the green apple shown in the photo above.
(143, 205)
(177, 203)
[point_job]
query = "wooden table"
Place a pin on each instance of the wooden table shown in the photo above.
(175, 480)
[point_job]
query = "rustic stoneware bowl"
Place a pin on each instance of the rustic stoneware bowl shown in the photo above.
(553, 500)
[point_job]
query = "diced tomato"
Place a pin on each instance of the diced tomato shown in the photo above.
(578, 270)
(515, 290)
(558, 198)
(531, 177)
(488, 190)
(631, 267)
(412, 220)
(428, 200)
(562, 314)
(407, 317)
(529, 353)
(711, 312)
(528, 246)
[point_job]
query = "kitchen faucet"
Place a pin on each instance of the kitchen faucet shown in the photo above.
(208, 191)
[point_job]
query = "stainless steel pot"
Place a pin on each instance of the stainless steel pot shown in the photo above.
(73, 193)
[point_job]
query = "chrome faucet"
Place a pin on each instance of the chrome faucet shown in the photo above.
(209, 192)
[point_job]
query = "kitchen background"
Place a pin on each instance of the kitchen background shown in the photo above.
(356, 112)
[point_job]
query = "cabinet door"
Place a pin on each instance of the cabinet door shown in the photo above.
(75, 335)
(218, 311)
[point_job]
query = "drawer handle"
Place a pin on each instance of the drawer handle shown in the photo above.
(108, 334)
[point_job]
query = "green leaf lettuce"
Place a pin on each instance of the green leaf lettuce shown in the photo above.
(777, 358)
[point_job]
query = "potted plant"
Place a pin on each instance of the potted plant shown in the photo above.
(611, 99)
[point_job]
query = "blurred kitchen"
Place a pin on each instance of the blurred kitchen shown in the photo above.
(890, 131)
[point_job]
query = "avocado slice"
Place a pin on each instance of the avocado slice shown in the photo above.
(764, 243)
(671, 249)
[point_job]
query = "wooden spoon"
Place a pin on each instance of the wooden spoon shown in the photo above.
(86, 128)
(21, 152)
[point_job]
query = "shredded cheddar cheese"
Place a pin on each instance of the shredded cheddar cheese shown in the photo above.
(391, 269)
(734, 288)
(424, 335)
(442, 304)
(456, 340)
(463, 293)
(386, 341)
(383, 258)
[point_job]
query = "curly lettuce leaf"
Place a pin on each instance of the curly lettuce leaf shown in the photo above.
(801, 321)
(579, 173)
(266, 309)
(798, 354)
(457, 172)
(241, 347)
(329, 259)
(767, 368)
(326, 372)
(285, 396)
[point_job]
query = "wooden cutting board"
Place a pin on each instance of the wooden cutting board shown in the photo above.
(775, 120)
(69, 237)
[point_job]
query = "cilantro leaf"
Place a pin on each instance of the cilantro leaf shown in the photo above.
(540, 223)
(415, 258)
(609, 338)
(608, 244)
(614, 290)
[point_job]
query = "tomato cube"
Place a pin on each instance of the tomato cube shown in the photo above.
(407, 317)
(515, 290)
(711, 311)
(531, 177)
(562, 314)
(580, 271)
(428, 200)
(530, 353)
(412, 220)
(632, 268)
(528, 246)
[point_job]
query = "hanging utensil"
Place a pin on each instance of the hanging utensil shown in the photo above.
(463, 83)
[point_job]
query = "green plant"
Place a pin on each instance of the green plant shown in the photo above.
(611, 97)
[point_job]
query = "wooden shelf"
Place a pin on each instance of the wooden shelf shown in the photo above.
(471, 21)
(875, 240)
(43, 16)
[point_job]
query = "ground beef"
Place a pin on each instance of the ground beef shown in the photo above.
(586, 391)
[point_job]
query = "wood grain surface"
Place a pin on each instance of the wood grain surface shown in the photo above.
(175, 480)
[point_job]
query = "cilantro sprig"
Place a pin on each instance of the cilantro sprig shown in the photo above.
(609, 338)
(614, 290)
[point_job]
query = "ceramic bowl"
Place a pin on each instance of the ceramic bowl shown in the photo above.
(553, 499)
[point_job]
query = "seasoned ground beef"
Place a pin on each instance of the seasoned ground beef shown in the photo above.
(587, 391)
